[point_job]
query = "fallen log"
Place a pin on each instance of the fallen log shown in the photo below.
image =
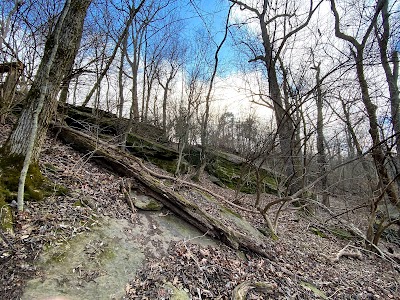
(219, 223)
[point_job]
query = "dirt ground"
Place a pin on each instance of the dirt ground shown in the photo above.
(302, 263)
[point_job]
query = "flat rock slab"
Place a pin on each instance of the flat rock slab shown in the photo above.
(98, 264)
(144, 202)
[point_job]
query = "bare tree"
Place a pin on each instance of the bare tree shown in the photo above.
(205, 118)
(357, 50)
(133, 10)
(133, 55)
(383, 36)
(184, 126)
(321, 160)
(173, 58)
(278, 23)
(42, 98)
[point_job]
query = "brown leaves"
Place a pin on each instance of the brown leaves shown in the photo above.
(206, 272)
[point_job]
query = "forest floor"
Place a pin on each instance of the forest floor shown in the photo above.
(301, 264)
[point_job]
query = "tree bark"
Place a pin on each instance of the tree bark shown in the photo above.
(377, 151)
(321, 159)
(358, 54)
(166, 88)
(353, 137)
(205, 119)
(391, 76)
(48, 86)
(272, 50)
(7, 90)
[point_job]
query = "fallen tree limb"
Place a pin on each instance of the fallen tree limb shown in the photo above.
(148, 182)
(193, 185)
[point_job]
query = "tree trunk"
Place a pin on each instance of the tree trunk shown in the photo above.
(206, 116)
(7, 90)
(377, 151)
(289, 134)
(64, 90)
(166, 89)
(285, 130)
(134, 113)
(353, 136)
(121, 100)
(391, 77)
(149, 85)
(321, 159)
(69, 37)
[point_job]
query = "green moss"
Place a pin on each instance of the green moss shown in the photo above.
(62, 190)
(158, 154)
(176, 293)
(107, 254)
(318, 232)
(33, 194)
(317, 292)
(6, 216)
(267, 232)
(167, 165)
(57, 257)
(341, 233)
(50, 168)
(144, 202)
(229, 211)
(10, 171)
(145, 148)
(236, 175)
(154, 206)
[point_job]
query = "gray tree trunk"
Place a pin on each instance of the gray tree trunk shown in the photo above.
(391, 76)
(321, 158)
(166, 88)
(48, 86)
(271, 54)
(7, 90)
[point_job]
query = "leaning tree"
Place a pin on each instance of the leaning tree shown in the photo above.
(20, 153)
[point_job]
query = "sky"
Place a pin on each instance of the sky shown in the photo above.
(231, 92)
(231, 89)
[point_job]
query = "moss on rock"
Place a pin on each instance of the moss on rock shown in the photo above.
(6, 216)
(144, 202)
(176, 293)
(36, 187)
(237, 175)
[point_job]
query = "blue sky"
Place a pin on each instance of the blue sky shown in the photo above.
(210, 16)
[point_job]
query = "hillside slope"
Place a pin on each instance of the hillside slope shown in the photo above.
(300, 264)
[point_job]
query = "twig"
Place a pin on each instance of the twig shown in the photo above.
(196, 237)
(6, 240)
